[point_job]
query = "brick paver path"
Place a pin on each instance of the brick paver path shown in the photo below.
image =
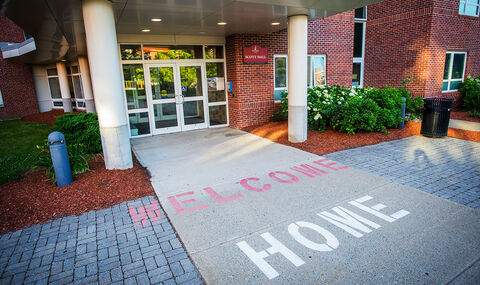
(446, 167)
(131, 243)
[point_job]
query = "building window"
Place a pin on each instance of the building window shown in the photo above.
(469, 7)
(454, 70)
(75, 85)
(54, 85)
(316, 73)
(361, 13)
(1, 99)
(359, 46)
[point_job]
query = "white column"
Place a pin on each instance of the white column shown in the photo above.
(297, 78)
(64, 88)
(86, 84)
(42, 89)
(106, 79)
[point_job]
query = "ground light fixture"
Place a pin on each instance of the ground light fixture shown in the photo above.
(146, 30)
(155, 19)
(221, 23)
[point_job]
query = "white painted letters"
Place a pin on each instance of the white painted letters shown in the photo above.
(349, 221)
(374, 210)
(276, 247)
(331, 241)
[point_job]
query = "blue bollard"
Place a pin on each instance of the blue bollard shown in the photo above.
(404, 107)
(60, 161)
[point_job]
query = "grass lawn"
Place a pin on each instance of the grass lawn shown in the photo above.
(18, 152)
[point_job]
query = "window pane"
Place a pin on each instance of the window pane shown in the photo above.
(357, 70)
(70, 87)
(215, 81)
(447, 66)
(445, 86)
(51, 71)
(75, 69)
(278, 94)
(58, 104)
(280, 72)
(165, 115)
(191, 81)
(193, 112)
(134, 84)
(77, 85)
(131, 52)
(172, 52)
(360, 13)
(162, 82)
(318, 70)
(358, 40)
(212, 52)
(139, 124)
(457, 67)
(454, 84)
(54, 88)
(218, 115)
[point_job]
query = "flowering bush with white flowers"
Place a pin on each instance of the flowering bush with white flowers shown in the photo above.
(352, 110)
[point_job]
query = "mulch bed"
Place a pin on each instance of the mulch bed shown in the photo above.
(459, 115)
(44, 118)
(331, 141)
(35, 199)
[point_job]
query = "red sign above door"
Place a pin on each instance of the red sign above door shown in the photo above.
(255, 54)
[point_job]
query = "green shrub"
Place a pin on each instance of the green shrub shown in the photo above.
(81, 131)
(82, 135)
(355, 109)
(281, 114)
(390, 102)
(358, 114)
(470, 91)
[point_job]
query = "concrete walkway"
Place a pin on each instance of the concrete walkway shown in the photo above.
(464, 125)
(252, 211)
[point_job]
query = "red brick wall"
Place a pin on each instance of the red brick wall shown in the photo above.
(16, 81)
(452, 32)
(409, 39)
(252, 101)
(397, 44)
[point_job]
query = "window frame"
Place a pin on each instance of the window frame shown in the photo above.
(464, 3)
(361, 60)
(286, 75)
(54, 100)
(145, 62)
(450, 70)
(2, 103)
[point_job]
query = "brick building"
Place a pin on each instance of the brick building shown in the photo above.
(432, 45)
(17, 93)
(183, 73)
(330, 40)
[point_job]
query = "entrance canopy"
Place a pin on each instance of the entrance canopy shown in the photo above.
(58, 29)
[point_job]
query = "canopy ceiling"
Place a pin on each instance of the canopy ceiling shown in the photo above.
(57, 25)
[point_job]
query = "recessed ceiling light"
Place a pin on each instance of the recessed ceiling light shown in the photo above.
(156, 20)
(275, 23)
(201, 33)
(146, 30)
(221, 23)
(64, 60)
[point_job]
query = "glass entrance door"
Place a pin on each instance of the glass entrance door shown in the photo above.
(176, 93)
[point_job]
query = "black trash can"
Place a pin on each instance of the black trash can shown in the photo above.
(436, 116)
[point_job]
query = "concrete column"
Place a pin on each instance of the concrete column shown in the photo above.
(64, 88)
(106, 79)
(297, 78)
(86, 84)
(42, 89)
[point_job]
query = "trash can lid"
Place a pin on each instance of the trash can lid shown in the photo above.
(55, 137)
